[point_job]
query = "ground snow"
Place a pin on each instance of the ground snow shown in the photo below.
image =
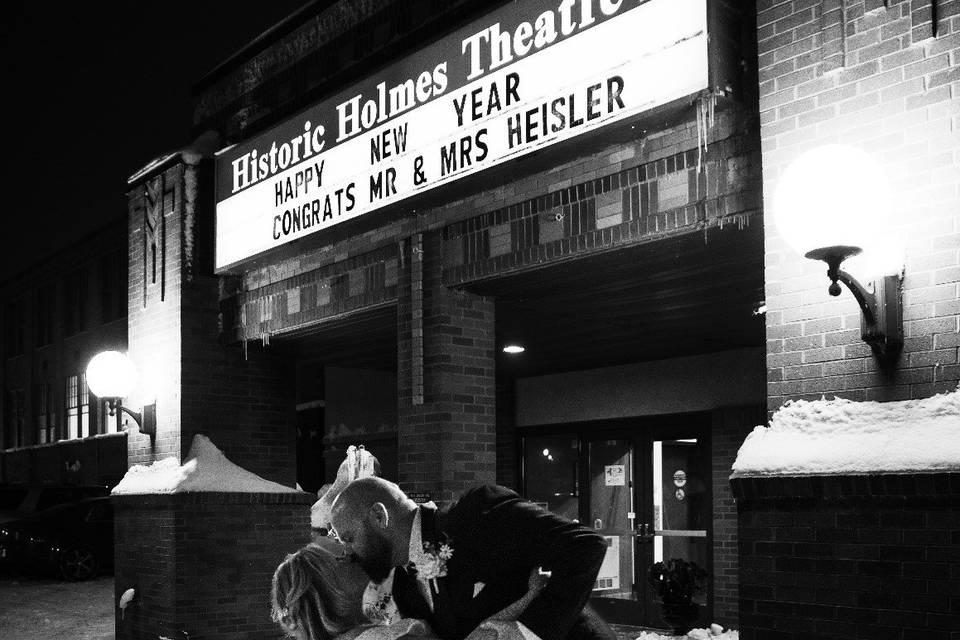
(206, 469)
(714, 633)
(831, 437)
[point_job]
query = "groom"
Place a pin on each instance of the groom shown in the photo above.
(457, 567)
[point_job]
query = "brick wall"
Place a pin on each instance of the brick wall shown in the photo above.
(849, 557)
(445, 378)
(202, 562)
(882, 76)
(729, 428)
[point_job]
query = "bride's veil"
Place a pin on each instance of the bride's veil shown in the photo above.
(358, 463)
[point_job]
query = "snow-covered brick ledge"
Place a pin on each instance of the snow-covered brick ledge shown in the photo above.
(206, 470)
(845, 438)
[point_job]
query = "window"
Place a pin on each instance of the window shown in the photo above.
(45, 304)
(105, 422)
(13, 323)
(113, 286)
(13, 420)
(46, 417)
(74, 303)
(78, 406)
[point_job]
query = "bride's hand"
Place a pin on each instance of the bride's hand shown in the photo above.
(537, 580)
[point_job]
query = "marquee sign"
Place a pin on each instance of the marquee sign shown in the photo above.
(522, 78)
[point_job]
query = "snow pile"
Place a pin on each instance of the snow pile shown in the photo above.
(206, 469)
(831, 437)
(715, 632)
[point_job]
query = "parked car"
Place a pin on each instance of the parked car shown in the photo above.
(74, 540)
(21, 500)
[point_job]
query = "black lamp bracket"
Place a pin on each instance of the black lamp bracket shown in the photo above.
(146, 421)
(881, 320)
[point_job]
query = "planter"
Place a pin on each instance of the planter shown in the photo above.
(679, 616)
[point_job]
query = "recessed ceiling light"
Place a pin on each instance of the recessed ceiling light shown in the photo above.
(513, 348)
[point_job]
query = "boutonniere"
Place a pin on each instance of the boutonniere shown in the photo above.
(432, 563)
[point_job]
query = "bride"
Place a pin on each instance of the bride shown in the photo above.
(318, 594)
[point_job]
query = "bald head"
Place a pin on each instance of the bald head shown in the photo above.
(359, 496)
(372, 517)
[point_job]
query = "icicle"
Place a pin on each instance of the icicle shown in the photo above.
(245, 356)
(706, 109)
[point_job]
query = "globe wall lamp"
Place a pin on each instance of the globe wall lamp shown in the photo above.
(832, 204)
(111, 376)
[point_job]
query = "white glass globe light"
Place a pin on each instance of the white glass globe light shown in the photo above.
(111, 374)
(832, 195)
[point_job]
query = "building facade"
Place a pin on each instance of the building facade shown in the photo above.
(463, 198)
(56, 316)
(387, 200)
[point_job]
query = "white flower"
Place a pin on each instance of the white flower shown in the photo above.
(431, 563)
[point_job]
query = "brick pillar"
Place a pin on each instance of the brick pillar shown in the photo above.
(200, 562)
(446, 388)
(240, 397)
(730, 426)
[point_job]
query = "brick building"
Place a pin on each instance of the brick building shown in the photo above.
(618, 239)
(56, 316)
(383, 196)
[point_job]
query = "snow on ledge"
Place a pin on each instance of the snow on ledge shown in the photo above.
(206, 469)
(834, 437)
(715, 632)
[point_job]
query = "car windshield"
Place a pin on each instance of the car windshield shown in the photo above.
(68, 510)
(11, 497)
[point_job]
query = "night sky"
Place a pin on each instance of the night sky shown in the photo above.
(93, 91)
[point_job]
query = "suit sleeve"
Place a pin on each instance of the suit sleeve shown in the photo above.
(517, 535)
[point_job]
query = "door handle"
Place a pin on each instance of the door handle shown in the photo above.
(644, 532)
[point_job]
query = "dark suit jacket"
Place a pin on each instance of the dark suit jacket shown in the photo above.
(497, 539)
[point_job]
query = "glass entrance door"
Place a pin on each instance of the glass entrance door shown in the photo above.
(644, 486)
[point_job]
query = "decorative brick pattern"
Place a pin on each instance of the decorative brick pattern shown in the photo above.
(846, 557)
(873, 75)
(201, 563)
(365, 280)
(638, 204)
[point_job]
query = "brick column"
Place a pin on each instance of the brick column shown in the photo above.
(730, 426)
(446, 388)
(240, 396)
(200, 562)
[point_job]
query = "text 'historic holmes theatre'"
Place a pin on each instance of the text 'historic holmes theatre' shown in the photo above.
(524, 77)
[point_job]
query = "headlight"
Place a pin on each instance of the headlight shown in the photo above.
(4, 534)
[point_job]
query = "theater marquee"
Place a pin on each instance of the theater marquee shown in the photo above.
(522, 78)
